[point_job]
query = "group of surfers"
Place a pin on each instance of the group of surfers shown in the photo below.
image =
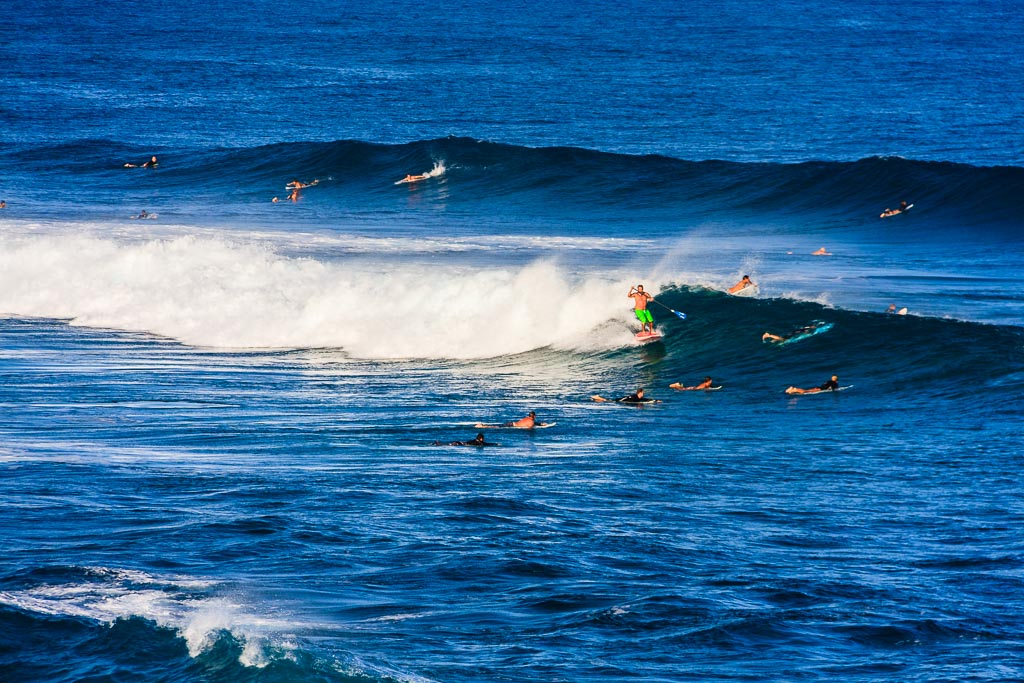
(641, 299)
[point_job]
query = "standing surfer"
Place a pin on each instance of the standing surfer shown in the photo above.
(640, 299)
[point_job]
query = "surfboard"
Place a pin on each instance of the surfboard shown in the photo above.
(902, 311)
(803, 335)
(746, 291)
(648, 337)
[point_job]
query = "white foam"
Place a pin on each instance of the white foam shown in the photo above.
(105, 595)
(211, 291)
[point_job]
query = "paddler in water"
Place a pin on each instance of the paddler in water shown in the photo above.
(830, 385)
(892, 212)
(528, 422)
(149, 164)
(706, 384)
(742, 284)
(478, 441)
(640, 299)
(775, 338)
(634, 398)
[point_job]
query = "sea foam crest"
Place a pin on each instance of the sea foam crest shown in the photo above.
(207, 291)
(105, 595)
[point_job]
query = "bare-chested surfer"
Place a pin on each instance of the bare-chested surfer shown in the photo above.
(640, 299)
(744, 282)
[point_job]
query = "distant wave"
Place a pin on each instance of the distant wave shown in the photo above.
(551, 180)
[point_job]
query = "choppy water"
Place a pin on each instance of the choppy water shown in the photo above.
(217, 438)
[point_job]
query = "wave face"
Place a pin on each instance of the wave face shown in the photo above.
(505, 180)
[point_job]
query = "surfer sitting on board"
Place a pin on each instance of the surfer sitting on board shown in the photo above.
(528, 422)
(635, 398)
(830, 385)
(706, 384)
(478, 441)
(742, 284)
(640, 299)
(892, 212)
(775, 338)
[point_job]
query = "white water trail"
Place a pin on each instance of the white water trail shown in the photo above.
(209, 291)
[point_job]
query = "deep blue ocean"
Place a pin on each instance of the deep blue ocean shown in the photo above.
(220, 428)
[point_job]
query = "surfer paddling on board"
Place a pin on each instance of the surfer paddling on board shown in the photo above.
(821, 252)
(636, 398)
(640, 299)
(706, 384)
(149, 164)
(830, 385)
(528, 422)
(806, 329)
(298, 184)
(892, 212)
(409, 178)
(478, 441)
(742, 284)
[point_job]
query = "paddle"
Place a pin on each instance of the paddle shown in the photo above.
(681, 316)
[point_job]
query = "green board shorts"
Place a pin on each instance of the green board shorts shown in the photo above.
(643, 315)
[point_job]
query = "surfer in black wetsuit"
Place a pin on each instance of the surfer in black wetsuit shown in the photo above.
(149, 164)
(478, 441)
(830, 385)
(806, 329)
(635, 398)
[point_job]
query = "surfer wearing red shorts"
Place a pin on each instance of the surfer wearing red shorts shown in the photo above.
(640, 299)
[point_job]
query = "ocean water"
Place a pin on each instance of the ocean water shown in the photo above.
(221, 430)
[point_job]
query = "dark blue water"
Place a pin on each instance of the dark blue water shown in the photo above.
(218, 427)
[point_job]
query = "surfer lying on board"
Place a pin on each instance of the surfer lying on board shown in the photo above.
(149, 164)
(830, 385)
(775, 338)
(409, 178)
(635, 398)
(298, 184)
(821, 252)
(478, 441)
(640, 299)
(706, 384)
(528, 422)
(892, 212)
(742, 284)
